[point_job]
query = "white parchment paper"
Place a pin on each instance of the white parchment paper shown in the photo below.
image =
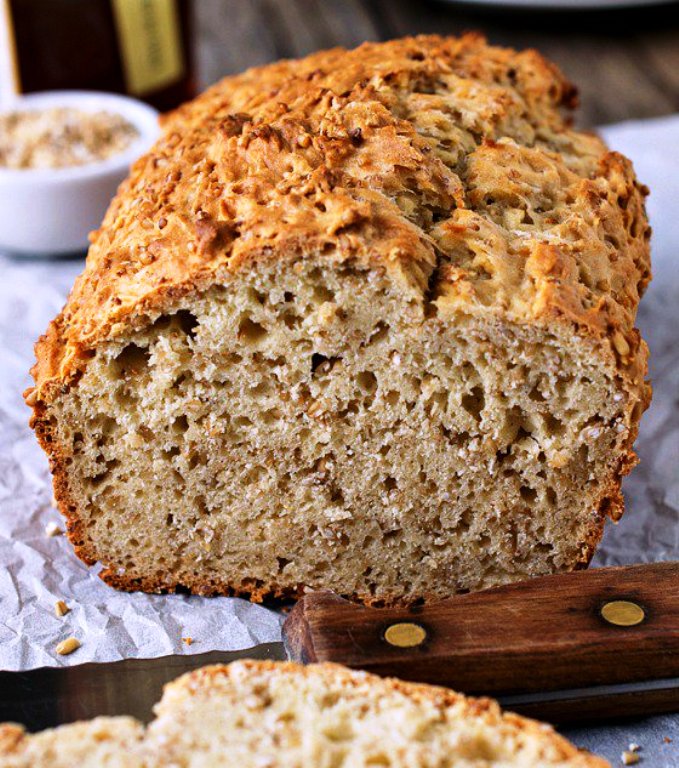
(35, 570)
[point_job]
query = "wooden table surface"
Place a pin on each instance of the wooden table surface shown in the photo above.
(624, 62)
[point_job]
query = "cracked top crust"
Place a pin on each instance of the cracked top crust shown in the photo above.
(446, 161)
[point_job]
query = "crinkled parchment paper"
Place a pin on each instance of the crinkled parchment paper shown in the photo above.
(35, 570)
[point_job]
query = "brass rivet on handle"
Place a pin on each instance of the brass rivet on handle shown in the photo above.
(405, 634)
(622, 613)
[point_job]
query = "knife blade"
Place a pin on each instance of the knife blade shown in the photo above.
(49, 696)
(543, 648)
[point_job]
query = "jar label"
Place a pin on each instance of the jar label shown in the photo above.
(150, 43)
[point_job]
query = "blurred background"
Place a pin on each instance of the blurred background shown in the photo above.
(625, 61)
(623, 54)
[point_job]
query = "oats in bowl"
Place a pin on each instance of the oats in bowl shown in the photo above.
(61, 136)
(62, 156)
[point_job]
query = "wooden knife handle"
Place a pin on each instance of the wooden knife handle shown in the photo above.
(600, 627)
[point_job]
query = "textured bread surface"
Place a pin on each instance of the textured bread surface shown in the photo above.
(363, 321)
(268, 714)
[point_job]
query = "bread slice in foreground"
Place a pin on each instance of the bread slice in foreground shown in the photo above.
(364, 322)
(105, 742)
(278, 715)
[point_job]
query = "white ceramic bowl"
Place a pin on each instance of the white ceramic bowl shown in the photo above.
(49, 211)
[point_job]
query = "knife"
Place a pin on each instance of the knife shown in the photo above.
(571, 647)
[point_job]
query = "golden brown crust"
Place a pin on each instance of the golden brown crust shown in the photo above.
(445, 161)
(340, 151)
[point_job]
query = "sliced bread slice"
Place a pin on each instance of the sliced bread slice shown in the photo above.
(255, 714)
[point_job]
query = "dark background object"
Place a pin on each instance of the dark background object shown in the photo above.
(81, 44)
(625, 62)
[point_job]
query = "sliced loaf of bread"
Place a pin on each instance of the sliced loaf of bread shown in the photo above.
(363, 321)
(278, 715)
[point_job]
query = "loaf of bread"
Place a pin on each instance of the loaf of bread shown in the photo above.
(277, 715)
(363, 321)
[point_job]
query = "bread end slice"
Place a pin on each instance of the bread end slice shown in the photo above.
(105, 742)
(327, 715)
(253, 714)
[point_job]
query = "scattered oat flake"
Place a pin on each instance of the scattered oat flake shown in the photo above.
(187, 640)
(52, 529)
(60, 608)
(633, 747)
(67, 646)
(667, 739)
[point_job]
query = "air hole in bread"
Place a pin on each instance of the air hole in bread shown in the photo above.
(474, 402)
(528, 494)
(132, 360)
(367, 381)
(250, 332)
(180, 424)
